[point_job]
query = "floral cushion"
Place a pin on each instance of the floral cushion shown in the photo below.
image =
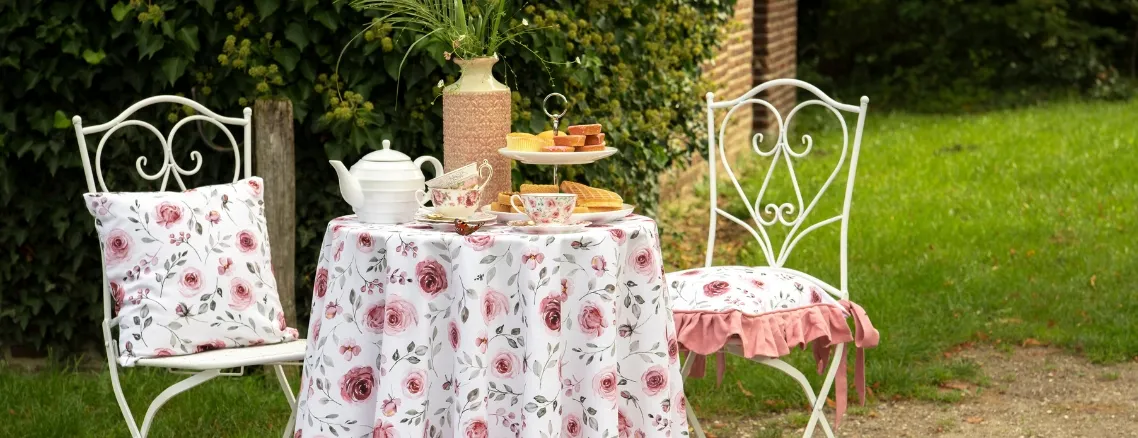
(189, 271)
(752, 291)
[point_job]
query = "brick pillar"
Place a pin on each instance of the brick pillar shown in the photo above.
(731, 71)
(775, 46)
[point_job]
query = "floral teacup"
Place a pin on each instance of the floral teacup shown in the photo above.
(465, 177)
(454, 203)
(546, 208)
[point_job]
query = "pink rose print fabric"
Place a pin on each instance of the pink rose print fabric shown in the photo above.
(189, 271)
(752, 291)
(420, 333)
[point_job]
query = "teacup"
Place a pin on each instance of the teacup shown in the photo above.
(465, 177)
(546, 208)
(454, 203)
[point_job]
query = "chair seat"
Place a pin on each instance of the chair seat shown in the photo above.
(749, 290)
(232, 357)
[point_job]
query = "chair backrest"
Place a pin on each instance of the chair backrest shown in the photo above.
(242, 154)
(790, 215)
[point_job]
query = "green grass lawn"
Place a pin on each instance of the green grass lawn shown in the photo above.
(997, 227)
(1005, 227)
(62, 402)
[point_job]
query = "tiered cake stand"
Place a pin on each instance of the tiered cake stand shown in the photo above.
(557, 158)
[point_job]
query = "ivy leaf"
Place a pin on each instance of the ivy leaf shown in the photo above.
(173, 68)
(93, 58)
(295, 33)
(61, 120)
(328, 20)
(287, 57)
(208, 5)
(119, 11)
(149, 44)
(265, 8)
(189, 36)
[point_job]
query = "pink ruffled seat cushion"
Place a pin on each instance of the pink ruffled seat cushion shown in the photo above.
(751, 291)
(768, 312)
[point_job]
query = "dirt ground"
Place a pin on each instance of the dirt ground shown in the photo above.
(1030, 392)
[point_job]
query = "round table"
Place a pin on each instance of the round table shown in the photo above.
(423, 333)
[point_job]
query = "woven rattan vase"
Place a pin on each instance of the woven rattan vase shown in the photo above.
(476, 119)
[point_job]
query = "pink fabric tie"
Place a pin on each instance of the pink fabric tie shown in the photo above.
(865, 337)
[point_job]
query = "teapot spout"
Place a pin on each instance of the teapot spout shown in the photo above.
(349, 186)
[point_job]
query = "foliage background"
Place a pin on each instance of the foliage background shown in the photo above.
(961, 55)
(95, 58)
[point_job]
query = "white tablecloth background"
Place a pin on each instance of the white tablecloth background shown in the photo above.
(416, 332)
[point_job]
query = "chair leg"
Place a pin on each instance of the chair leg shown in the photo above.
(116, 386)
(283, 380)
(175, 389)
(820, 403)
(817, 401)
(692, 420)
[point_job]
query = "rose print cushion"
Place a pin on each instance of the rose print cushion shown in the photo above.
(190, 271)
(752, 291)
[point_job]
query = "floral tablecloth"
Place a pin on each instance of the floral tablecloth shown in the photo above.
(423, 333)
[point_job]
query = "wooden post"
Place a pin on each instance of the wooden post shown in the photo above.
(276, 164)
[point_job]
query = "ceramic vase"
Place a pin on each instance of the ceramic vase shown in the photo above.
(476, 119)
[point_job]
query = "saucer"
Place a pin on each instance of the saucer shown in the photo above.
(597, 218)
(529, 227)
(427, 215)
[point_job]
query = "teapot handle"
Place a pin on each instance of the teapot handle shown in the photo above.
(425, 158)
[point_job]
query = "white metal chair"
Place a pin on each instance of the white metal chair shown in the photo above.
(792, 216)
(210, 364)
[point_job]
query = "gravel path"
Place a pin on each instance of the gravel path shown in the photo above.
(1032, 392)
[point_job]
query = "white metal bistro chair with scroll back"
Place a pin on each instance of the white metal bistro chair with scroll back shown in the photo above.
(202, 366)
(761, 313)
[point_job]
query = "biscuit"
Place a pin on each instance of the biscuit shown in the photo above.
(569, 140)
(557, 148)
(538, 188)
(591, 148)
(594, 139)
(592, 129)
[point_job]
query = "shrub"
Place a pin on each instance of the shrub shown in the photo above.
(95, 58)
(945, 55)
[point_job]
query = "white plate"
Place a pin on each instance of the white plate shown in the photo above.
(557, 157)
(524, 227)
(422, 216)
(600, 217)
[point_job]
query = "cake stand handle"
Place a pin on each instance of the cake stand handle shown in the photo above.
(555, 183)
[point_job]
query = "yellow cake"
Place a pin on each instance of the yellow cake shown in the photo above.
(548, 135)
(520, 141)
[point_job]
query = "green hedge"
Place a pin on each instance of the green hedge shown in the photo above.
(959, 55)
(638, 73)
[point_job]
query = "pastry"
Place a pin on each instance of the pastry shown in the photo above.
(591, 148)
(501, 208)
(537, 188)
(580, 209)
(548, 135)
(593, 198)
(593, 129)
(569, 140)
(594, 139)
(504, 197)
(557, 149)
(520, 141)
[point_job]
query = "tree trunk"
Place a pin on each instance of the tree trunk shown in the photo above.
(276, 164)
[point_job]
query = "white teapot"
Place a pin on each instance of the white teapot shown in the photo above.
(382, 186)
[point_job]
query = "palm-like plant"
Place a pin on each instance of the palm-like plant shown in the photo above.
(472, 28)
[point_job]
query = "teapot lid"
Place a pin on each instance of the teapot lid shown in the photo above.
(386, 154)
